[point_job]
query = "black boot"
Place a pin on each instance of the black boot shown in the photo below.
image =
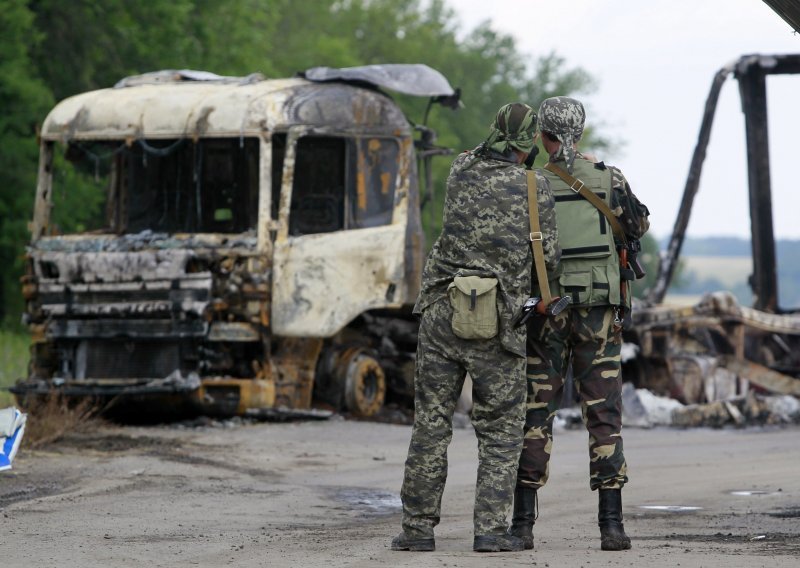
(525, 513)
(403, 542)
(609, 518)
(497, 543)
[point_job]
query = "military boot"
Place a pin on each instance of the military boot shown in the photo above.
(525, 513)
(497, 543)
(404, 542)
(609, 519)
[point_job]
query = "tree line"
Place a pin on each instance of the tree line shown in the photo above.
(52, 49)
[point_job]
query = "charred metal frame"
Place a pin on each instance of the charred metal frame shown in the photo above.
(751, 72)
(789, 10)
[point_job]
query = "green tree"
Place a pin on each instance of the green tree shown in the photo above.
(487, 65)
(91, 44)
(648, 258)
(24, 98)
(53, 49)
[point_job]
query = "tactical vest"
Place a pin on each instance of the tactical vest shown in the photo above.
(589, 267)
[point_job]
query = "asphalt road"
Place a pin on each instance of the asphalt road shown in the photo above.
(325, 494)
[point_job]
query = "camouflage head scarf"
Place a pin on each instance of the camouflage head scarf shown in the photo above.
(514, 126)
(563, 117)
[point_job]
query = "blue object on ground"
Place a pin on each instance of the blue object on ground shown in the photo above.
(12, 427)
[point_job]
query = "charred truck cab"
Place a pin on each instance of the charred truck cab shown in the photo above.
(255, 243)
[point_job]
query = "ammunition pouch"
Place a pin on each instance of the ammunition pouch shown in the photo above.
(474, 301)
(589, 284)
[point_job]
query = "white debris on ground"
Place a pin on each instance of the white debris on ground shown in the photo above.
(629, 351)
(751, 409)
(568, 419)
(641, 408)
(785, 407)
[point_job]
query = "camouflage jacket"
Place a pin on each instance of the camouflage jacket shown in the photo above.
(485, 232)
(632, 213)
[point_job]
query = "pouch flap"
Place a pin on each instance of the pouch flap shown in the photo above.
(575, 280)
(466, 284)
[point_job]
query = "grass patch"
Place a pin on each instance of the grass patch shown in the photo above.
(727, 270)
(14, 354)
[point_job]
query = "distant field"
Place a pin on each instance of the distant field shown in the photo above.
(13, 362)
(681, 300)
(729, 270)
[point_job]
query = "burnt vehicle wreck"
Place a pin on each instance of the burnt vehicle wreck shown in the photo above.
(717, 349)
(257, 243)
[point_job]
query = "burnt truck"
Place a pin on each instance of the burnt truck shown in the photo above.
(257, 243)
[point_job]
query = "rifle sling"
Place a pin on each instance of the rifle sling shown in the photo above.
(580, 188)
(536, 239)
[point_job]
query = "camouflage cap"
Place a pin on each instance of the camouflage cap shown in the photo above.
(563, 117)
(514, 126)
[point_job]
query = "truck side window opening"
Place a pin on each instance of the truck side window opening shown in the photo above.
(168, 186)
(372, 197)
(206, 187)
(82, 178)
(339, 183)
(318, 191)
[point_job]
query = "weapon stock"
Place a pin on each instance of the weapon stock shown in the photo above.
(634, 248)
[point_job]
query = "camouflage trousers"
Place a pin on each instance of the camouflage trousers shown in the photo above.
(588, 338)
(498, 378)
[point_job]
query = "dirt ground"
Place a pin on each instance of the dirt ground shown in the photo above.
(325, 494)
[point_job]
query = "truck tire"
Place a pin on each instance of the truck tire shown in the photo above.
(364, 383)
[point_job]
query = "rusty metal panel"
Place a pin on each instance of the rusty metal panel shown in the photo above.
(295, 361)
(234, 396)
(134, 329)
(412, 79)
(233, 331)
(109, 266)
(195, 110)
(762, 376)
(169, 111)
(324, 281)
(264, 243)
(44, 188)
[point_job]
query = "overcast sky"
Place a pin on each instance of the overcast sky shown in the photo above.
(654, 61)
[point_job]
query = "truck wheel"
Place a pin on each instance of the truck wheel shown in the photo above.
(364, 383)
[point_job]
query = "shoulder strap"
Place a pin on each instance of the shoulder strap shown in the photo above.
(579, 187)
(536, 239)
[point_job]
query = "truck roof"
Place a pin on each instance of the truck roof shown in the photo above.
(177, 104)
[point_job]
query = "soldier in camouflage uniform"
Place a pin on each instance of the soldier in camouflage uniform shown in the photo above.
(485, 233)
(588, 334)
